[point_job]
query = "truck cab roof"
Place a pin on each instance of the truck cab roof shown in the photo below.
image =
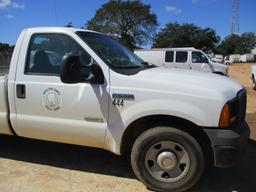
(56, 29)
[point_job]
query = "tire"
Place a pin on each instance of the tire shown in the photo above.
(167, 159)
(254, 83)
(219, 73)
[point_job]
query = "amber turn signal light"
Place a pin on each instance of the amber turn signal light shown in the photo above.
(225, 117)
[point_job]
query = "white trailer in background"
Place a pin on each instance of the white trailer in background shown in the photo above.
(235, 58)
(247, 58)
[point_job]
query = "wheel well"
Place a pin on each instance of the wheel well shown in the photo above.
(135, 129)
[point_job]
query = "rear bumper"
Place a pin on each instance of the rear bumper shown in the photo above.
(229, 145)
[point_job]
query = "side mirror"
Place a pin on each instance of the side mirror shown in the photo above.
(203, 65)
(71, 71)
(96, 76)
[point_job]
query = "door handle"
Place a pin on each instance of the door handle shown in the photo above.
(21, 91)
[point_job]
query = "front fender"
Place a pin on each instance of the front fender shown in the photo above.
(182, 109)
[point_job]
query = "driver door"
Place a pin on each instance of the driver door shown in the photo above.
(48, 109)
(200, 62)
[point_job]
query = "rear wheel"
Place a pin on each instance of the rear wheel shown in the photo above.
(167, 159)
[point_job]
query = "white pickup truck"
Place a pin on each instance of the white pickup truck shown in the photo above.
(81, 87)
(253, 76)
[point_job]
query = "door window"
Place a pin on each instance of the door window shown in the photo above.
(169, 56)
(46, 51)
(181, 56)
(198, 57)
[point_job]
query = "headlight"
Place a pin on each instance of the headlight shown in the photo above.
(224, 117)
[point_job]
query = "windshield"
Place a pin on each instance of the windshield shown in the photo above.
(112, 52)
(207, 57)
(199, 57)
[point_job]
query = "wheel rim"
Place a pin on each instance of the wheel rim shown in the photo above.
(167, 161)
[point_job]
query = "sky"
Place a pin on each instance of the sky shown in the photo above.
(16, 15)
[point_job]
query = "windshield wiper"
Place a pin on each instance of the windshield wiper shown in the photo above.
(146, 64)
(128, 67)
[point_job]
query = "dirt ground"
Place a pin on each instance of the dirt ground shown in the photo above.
(241, 73)
(37, 166)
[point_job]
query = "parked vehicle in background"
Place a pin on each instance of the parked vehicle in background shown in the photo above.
(172, 123)
(253, 76)
(227, 61)
(182, 58)
(235, 58)
(218, 58)
(247, 58)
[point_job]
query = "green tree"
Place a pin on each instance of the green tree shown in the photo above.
(230, 45)
(5, 54)
(235, 44)
(6, 47)
(248, 41)
(130, 22)
(186, 35)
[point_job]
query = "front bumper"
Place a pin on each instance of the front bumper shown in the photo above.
(229, 145)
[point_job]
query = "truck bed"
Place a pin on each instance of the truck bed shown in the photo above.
(4, 112)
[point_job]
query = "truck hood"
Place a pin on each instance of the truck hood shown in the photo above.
(218, 67)
(189, 82)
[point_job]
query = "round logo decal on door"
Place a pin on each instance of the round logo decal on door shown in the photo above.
(52, 99)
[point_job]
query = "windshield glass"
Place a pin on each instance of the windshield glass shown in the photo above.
(209, 58)
(199, 57)
(111, 51)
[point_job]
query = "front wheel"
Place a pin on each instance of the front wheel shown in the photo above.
(219, 73)
(167, 159)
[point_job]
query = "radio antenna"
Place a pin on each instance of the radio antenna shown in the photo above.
(55, 13)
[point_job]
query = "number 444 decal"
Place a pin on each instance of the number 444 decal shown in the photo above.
(118, 103)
